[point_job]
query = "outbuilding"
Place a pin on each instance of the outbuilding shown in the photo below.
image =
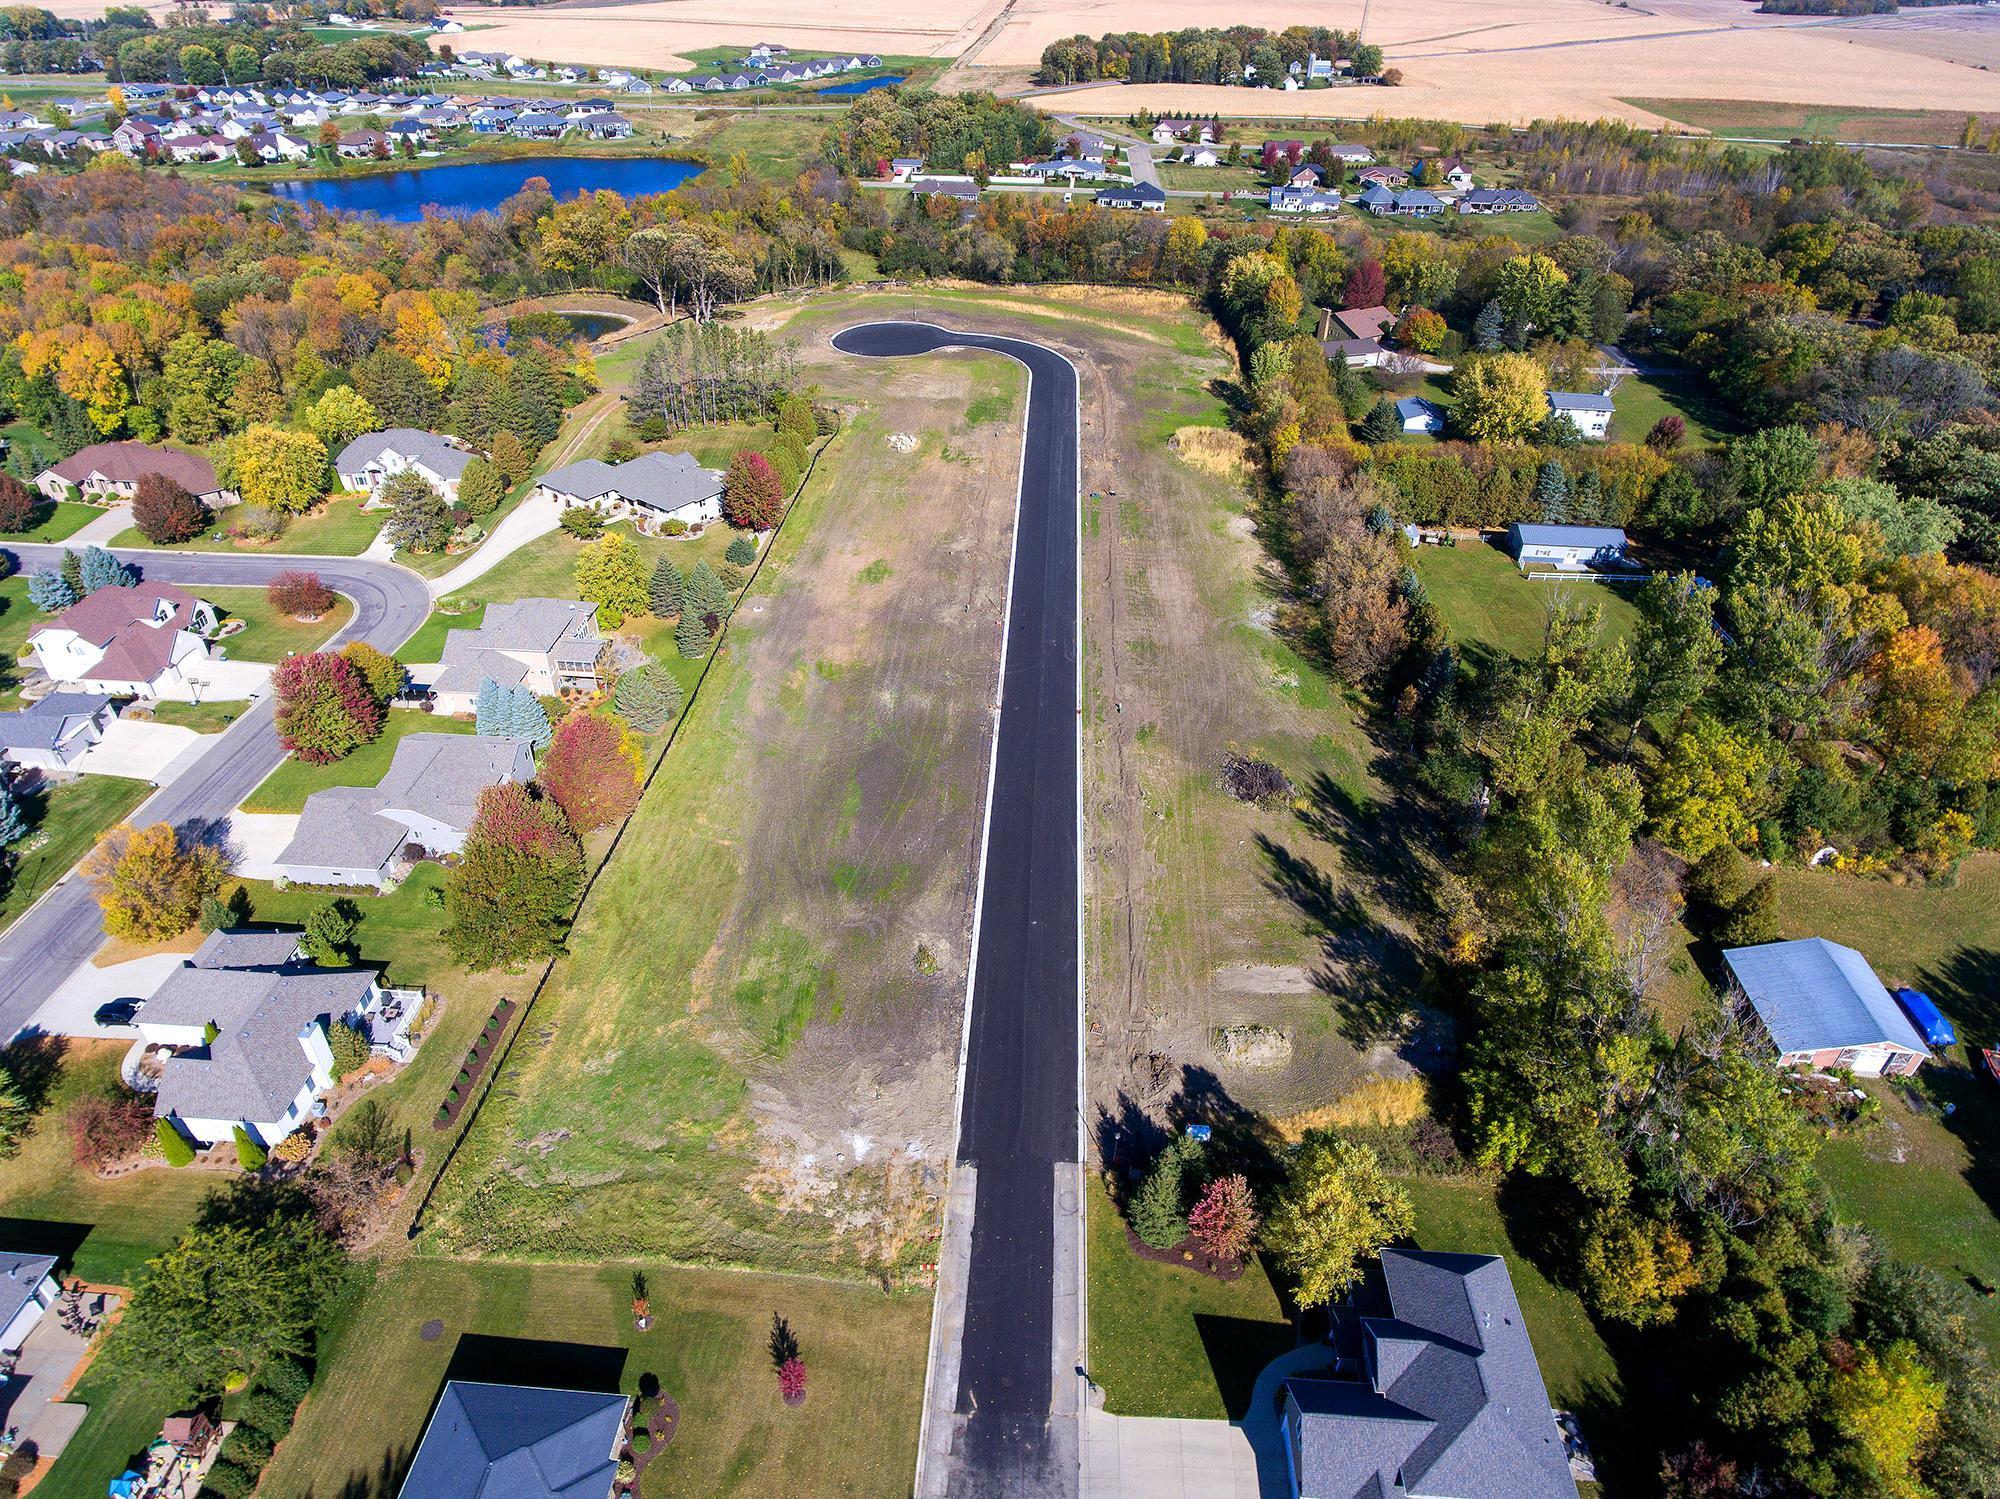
(1568, 548)
(1820, 1005)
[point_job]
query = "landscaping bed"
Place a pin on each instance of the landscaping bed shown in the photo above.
(475, 1065)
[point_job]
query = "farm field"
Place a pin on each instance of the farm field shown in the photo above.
(1736, 117)
(794, 1003)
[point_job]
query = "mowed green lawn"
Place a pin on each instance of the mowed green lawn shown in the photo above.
(269, 634)
(1165, 1341)
(58, 522)
(287, 787)
(338, 528)
(1642, 400)
(67, 819)
(708, 1348)
(1927, 1185)
(1487, 602)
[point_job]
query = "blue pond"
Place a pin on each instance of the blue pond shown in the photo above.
(470, 186)
(862, 85)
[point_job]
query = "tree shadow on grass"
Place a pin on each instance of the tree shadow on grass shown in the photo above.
(1369, 972)
(380, 1483)
(1967, 987)
(1239, 1349)
(32, 1063)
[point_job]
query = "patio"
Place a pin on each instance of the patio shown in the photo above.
(31, 1405)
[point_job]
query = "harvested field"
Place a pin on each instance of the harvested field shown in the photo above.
(750, 1054)
(1736, 117)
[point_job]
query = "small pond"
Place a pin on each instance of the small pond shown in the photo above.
(863, 85)
(471, 186)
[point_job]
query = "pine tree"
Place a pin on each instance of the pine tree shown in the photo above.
(99, 569)
(1159, 1211)
(1380, 425)
(1551, 495)
(742, 551)
(486, 715)
(527, 718)
(49, 591)
(663, 594)
(72, 574)
(704, 593)
(647, 698)
(13, 821)
(1489, 329)
(1586, 499)
(691, 637)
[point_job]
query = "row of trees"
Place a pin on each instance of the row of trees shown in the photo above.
(1203, 55)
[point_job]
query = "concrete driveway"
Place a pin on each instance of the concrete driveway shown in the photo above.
(135, 748)
(257, 838)
(534, 517)
(72, 1009)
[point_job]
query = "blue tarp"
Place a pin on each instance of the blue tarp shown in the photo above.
(125, 1485)
(1929, 1019)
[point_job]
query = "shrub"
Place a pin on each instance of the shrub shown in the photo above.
(299, 594)
(165, 512)
(350, 1049)
(1753, 919)
(248, 1448)
(481, 488)
(1668, 433)
(268, 1411)
(294, 1148)
(642, 1439)
(647, 698)
(584, 522)
(174, 1145)
(230, 1481)
(249, 1154)
(742, 551)
(105, 1126)
(1224, 1221)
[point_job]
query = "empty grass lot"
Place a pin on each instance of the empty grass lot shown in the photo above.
(338, 528)
(1171, 1342)
(1642, 400)
(269, 634)
(58, 522)
(1487, 603)
(68, 819)
(287, 787)
(856, 1435)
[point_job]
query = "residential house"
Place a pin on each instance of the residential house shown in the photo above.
(409, 132)
(903, 168)
(366, 463)
(1351, 155)
(607, 125)
(538, 124)
(549, 646)
(1499, 200)
(1418, 415)
(28, 1287)
(184, 147)
(1565, 548)
(357, 835)
(1064, 168)
(1308, 175)
(1448, 1402)
(519, 1441)
(1820, 1005)
(135, 137)
(358, 145)
(1413, 202)
(52, 732)
(652, 489)
(1448, 172)
(144, 641)
(245, 1023)
(1364, 322)
(1142, 196)
(1590, 414)
(1391, 177)
(962, 188)
(276, 145)
(1303, 200)
(109, 471)
(1358, 353)
(1167, 130)
(1199, 156)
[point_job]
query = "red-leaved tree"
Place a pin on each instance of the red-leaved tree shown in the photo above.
(325, 710)
(20, 506)
(104, 1127)
(512, 819)
(591, 771)
(1668, 433)
(1366, 286)
(165, 511)
(1224, 1220)
(792, 1380)
(299, 594)
(753, 497)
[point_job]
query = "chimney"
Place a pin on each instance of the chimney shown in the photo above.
(1325, 324)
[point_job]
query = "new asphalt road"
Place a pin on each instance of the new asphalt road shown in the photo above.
(63, 929)
(1018, 1118)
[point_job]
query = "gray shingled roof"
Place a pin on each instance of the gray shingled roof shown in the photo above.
(247, 949)
(1454, 1407)
(342, 828)
(659, 481)
(42, 724)
(1565, 400)
(438, 776)
(1815, 995)
(20, 1276)
(535, 627)
(493, 1441)
(435, 453)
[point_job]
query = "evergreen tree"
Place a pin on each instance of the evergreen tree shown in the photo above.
(1586, 499)
(486, 715)
(742, 551)
(481, 488)
(99, 569)
(691, 637)
(1551, 494)
(49, 591)
(72, 574)
(1159, 1210)
(795, 418)
(13, 821)
(704, 593)
(1380, 425)
(1489, 329)
(663, 594)
(647, 698)
(527, 718)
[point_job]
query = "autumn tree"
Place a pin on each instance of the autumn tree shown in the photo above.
(1916, 698)
(276, 468)
(1499, 398)
(611, 574)
(752, 497)
(1530, 291)
(20, 506)
(1336, 1208)
(481, 488)
(165, 512)
(300, 594)
(516, 881)
(381, 672)
(1709, 787)
(149, 883)
(325, 710)
(1224, 1218)
(592, 771)
(1366, 286)
(340, 415)
(1889, 1405)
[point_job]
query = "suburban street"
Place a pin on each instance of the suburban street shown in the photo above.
(1018, 1120)
(63, 929)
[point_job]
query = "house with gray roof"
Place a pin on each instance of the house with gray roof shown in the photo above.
(1449, 1402)
(549, 646)
(651, 489)
(1820, 1005)
(368, 462)
(1566, 548)
(28, 1287)
(489, 1440)
(243, 1025)
(356, 835)
(52, 733)
(1586, 411)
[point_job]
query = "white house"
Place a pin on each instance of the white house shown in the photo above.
(549, 646)
(368, 462)
(1302, 200)
(1589, 414)
(1820, 1005)
(52, 733)
(356, 835)
(143, 641)
(244, 1023)
(1418, 415)
(1567, 548)
(652, 489)
(28, 1287)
